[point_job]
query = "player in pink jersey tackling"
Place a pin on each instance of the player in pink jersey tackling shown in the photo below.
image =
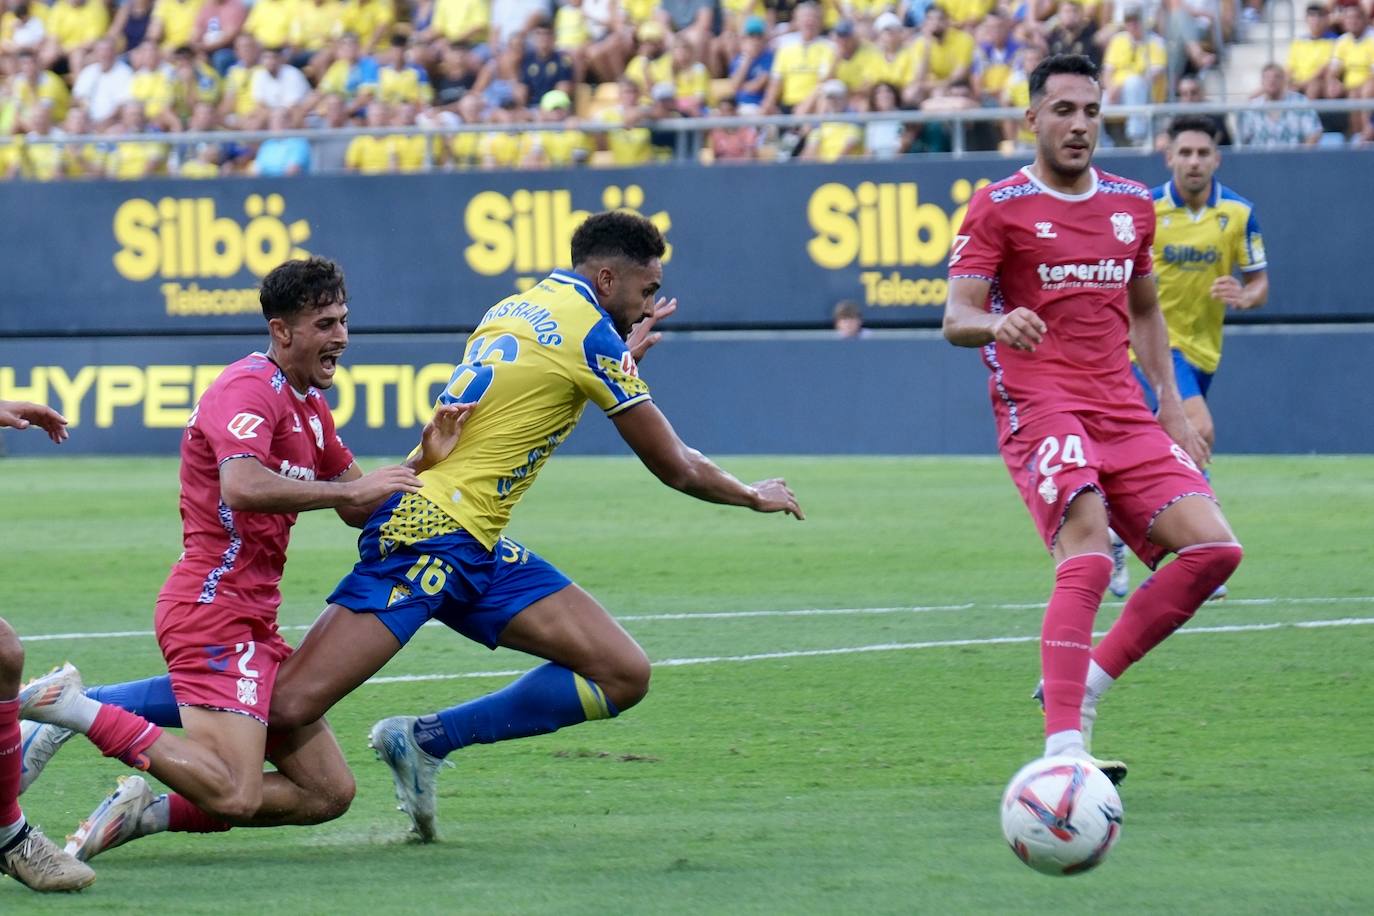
(1051, 276)
(259, 448)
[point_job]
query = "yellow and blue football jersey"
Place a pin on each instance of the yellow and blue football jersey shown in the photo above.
(1191, 250)
(532, 365)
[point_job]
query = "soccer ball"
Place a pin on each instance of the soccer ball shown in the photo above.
(1061, 815)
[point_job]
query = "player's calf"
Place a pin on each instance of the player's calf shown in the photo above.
(11, 660)
(1166, 601)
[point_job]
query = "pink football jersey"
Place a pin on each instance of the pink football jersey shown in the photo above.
(251, 411)
(1069, 259)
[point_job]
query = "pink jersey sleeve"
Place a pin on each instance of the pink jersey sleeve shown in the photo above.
(237, 420)
(336, 457)
(977, 248)
(1145, 259)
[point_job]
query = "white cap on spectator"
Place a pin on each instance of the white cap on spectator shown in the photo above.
(663, 92)
(887, 20)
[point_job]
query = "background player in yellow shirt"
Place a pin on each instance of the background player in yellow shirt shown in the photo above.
(1204, 234)
(531, 366)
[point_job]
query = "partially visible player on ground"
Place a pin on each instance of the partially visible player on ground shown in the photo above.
(25, 853)
(259, 448)
(1051, 276)
(1204, 234)
(532, 365)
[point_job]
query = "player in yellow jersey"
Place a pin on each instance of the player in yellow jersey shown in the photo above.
(531, 366)
(1204, 234)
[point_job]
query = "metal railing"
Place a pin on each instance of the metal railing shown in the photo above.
(689, 132)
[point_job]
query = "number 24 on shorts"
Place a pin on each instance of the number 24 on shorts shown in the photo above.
(1049, 450)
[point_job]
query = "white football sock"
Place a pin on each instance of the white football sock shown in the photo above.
(10, 831)
(1099, 681)
(156, 817)
(1066, 743)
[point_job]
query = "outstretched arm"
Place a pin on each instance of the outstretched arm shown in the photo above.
(647, 431)
(246, 485)
(23, 414)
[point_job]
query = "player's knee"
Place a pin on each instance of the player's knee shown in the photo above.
(236, 804)
(11, 655)
(333, 799)
(292, 709)
(628, 682)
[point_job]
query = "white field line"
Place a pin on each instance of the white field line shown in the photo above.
(801, 612)
(883, 647)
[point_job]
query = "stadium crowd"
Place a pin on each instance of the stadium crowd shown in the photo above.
(141, 67)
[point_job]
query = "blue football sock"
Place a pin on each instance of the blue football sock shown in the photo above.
(540, 701)
(151, 698)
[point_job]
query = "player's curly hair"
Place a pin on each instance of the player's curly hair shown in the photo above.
(1073, 64)
(301, 285)
(617, 233)
(1195, 122)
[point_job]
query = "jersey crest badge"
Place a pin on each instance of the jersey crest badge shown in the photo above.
(1123, 227)
(1049, 490)
(245, 425)
(318, 429)
(248, 691)
(1222, 220)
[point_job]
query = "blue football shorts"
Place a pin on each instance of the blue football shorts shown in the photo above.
(450, 578)
(1192, 382)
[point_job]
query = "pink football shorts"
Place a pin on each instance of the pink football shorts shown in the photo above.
(1127, 458)
(220, 658)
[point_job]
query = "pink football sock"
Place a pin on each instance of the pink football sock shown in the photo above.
(119, 733)
(1164, 602)
(185, 817)
(1066, 636)
(11, 755)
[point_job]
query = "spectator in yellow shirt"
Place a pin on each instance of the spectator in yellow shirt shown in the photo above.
(42, 161)
(370, 21)
(691, 82)
(992, 62)
(652, 65)
(372, 154)
(944, 55)
(73, 27)
(501, 149)
(800, 65)
(193, 82)
(313, 26)
(541, 149)
(151, 86)
(1310, 57)
(967, 14)
(1352, 66)
(896, 63)
(409, 150)
(631, 144)
(132, 160)
(173, 22)
(236, 102)
(204, 163)
(831, 141)
(401, 81)
(461, 21)
(269, 21)
(858, 64)
(34, 88)
(1134, 71)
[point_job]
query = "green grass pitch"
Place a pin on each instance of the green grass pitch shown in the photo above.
(841, 762)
